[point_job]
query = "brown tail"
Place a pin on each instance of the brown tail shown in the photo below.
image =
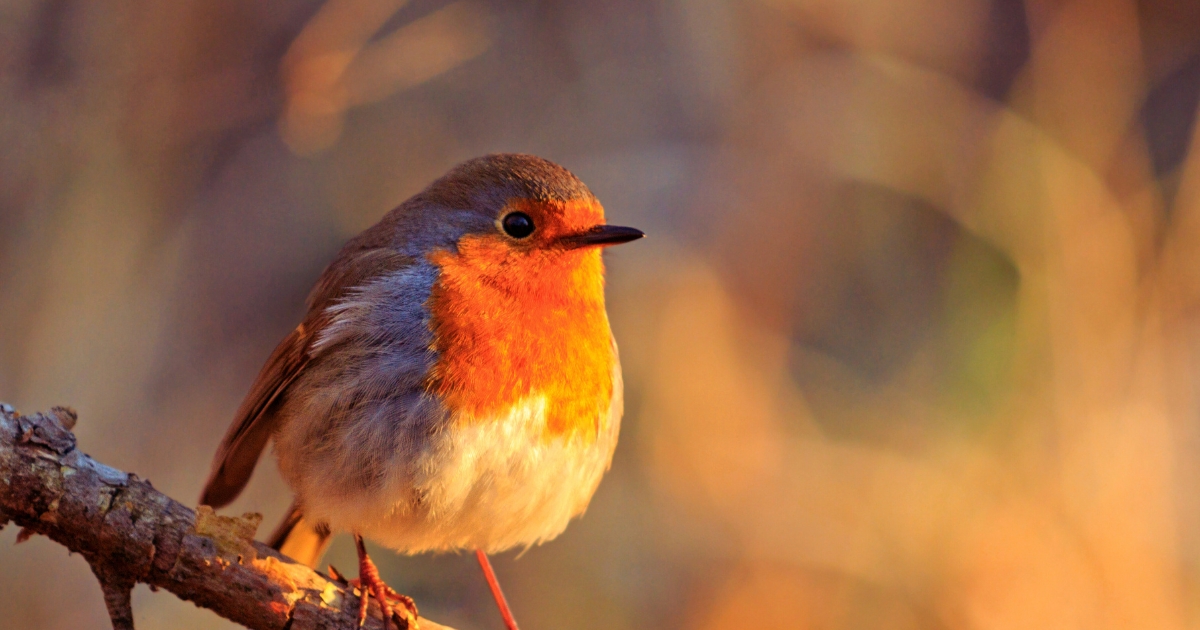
(299, 539)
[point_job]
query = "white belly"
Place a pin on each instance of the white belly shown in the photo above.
(489, 484)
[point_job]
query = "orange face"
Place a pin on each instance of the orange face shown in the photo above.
(517, 318)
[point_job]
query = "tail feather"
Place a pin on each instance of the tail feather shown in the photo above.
(300, 539)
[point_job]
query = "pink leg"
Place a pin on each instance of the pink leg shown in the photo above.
(498, 594)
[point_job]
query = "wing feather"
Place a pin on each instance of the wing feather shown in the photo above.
(255, 420)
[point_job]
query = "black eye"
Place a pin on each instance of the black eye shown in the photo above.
(517, 225)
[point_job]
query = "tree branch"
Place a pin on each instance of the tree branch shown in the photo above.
(129, 533)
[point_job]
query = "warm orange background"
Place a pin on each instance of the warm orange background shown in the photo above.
(912, 343)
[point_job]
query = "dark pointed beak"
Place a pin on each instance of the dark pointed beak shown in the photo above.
(601, 236)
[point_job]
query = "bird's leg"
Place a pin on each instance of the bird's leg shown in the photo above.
(497, 594)
(370, 584)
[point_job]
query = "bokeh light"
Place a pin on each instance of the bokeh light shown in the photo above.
(913, 342)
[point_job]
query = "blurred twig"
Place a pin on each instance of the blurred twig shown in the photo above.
(129, 533)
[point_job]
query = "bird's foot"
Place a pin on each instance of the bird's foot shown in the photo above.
(371, 585)
(393, 605)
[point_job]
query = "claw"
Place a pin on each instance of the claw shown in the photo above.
(409, 620)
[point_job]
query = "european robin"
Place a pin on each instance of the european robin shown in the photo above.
(454, 384)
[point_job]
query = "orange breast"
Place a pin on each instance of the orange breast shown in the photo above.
(513, 324)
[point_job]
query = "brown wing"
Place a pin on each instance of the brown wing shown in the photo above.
(255, 420)
(246, 437)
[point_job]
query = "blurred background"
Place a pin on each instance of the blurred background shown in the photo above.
(913, 342)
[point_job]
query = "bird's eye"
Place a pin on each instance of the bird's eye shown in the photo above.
(517, 224)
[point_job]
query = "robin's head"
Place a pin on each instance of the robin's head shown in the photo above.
(513, 206)
(516, 222)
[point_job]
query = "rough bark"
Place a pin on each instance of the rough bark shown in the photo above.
(129, 533)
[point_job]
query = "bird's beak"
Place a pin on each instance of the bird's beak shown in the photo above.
(601, 236)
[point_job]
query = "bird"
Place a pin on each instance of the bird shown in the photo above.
(454, 385)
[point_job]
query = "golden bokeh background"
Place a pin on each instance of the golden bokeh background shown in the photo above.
(913, 342)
